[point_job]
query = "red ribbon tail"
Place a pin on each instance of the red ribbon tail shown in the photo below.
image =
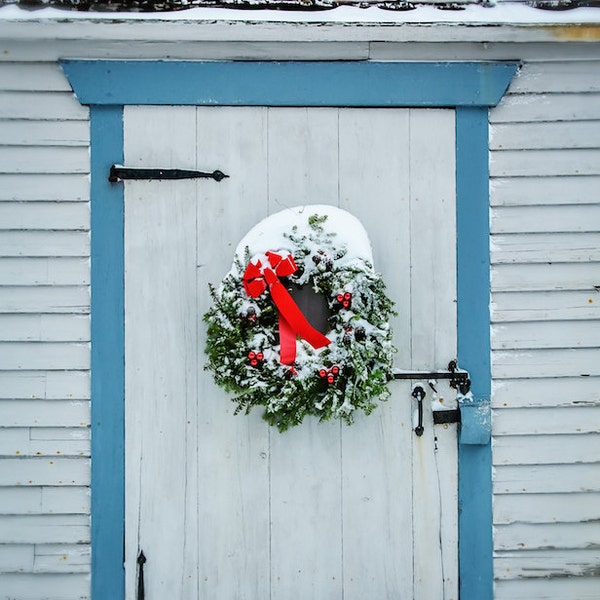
(287, 342)
(296, 321)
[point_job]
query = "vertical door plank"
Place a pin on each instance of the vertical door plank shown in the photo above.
(161, 353)
(377, 503)
(433, 314)
(306, 544)
(233, 450)
(303, 157)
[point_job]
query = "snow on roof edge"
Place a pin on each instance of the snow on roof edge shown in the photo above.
(506, 13)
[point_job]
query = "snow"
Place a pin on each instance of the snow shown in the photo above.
(269, 234)
(503, 13)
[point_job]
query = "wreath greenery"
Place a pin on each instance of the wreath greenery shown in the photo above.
(329, 382)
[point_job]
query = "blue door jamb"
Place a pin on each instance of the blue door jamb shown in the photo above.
(471, 88)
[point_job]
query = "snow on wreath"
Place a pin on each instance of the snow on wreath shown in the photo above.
(262, 346)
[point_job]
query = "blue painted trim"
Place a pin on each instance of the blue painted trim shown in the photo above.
(290, 83)
(473, 283)
(471, 87)
(108, 358)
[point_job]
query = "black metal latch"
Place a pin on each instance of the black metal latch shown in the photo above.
(119, 173)
(459, 380)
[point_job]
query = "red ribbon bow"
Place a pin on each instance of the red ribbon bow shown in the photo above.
(257, 278)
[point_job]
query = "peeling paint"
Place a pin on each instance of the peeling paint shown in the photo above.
(576, 33)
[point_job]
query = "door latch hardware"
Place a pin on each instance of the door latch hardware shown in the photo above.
(119, 173)
(459, 380)
(141, 561)
(442, 417)
(419, 393)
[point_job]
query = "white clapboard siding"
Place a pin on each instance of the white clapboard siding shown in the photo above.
(27, 159)
(547, 535)
(43, 471)
(43, 186)
(44, 215)
(524, 421)
(45, 299)
(45, 500)
(44, 413)
(44, 355)
(546, 247)
(580, 588)
(514, 364)
(61, 558)
(44, 133)
(44, 529)
(545, 225)
(16, 558)
(544, 135)
(558, 77)
(534, 449)
(546, 334)
(546, 508)
(49, 586)
(523, 108)
(28, 271)
(521, 163)
(541, 219)
(541, 306)
(41, 106)
(543, 479)
(522, 191)
(48, 385)
(44, 243)
(44, 328)
(45, 441)
(540, 277)
(42, 76)
(512, 564)
(546, 392)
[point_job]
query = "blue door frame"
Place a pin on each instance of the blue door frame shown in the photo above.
(471, 88)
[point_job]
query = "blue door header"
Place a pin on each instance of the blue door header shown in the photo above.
(290, 83)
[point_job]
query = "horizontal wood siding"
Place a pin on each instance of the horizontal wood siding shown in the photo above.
(545, 224)
(44, 335)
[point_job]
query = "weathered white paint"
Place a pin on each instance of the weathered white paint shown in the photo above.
(547, 136)
(553, 106)
(546, 392)
(44, 215)
(45, 271)
(526, 191)
(556, 449)
(39, 186)
(43, 243)
(321, 507)
(546, 508)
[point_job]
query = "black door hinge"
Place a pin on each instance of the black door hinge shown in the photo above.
(119, 173)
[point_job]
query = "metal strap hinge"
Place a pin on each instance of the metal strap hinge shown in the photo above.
(119, 173)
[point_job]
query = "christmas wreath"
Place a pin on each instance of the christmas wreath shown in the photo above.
(261, 346)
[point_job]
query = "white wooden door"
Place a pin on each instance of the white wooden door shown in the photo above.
(223, 506)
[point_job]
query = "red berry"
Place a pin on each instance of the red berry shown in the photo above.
(322, 373)
(260, 355)
(251, 354)
(253, 362)
(347, 296)
(339, 297)
(335, 370)
(330, 378)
